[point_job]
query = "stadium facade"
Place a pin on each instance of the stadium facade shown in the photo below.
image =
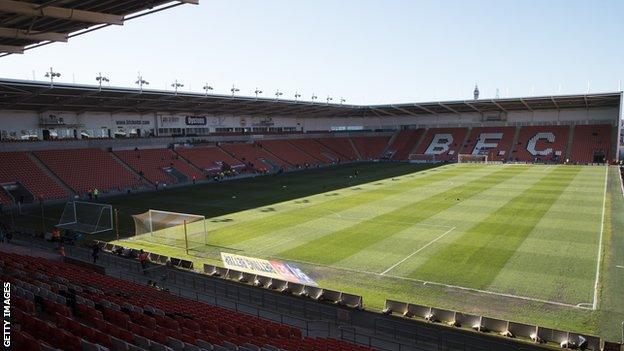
(44, 111)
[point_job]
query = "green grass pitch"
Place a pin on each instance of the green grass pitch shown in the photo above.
(520, 242)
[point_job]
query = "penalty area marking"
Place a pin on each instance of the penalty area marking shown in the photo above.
(417, 251)
(599, 258)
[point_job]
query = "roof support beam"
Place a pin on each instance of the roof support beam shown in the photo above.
(426, 110)
(383, 111)
(30, 9)
(525, 104)
(14, 33)
(448, 108)
(472, 107)
(498, 105)
(11, 49)
(404, 110)
(554, 102)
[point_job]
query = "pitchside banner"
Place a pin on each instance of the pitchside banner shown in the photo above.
(271, 269)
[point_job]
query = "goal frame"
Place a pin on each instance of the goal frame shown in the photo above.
(188, 244)
(470, 158)
(73, 225)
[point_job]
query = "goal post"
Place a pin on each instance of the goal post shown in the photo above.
(470, 158)
(182, 230)
(86, 217)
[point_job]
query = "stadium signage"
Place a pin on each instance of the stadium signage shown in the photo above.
(129, 122)
(267, 268)
(196, 121)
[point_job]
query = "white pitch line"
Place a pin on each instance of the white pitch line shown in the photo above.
(457, 287)
(598, 263)
(621, 185)
(417, 251)
(619, 266)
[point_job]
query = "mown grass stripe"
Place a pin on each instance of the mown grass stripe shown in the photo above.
(339, 245)
(475, 257)
(247, 230)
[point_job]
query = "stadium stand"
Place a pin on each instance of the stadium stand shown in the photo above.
(289, 153)
(73, 308)
(495, 142)
(5, 199)
(254, 156)
(75, 167)
(444, 143)
(212, 159)
(541, 143)
(18, 167)
(342, 147)
(371, 148)
(403, 144)
(159, 165)
(316, 150)
(592, 143)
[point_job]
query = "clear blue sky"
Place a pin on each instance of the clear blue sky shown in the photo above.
(366, 51)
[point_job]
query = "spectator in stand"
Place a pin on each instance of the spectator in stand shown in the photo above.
(95, 252)
(61, 251)
(90, 194)
(1, 235)
(194, 179)
(56, 235)
(96, 193)
(8, 236)
(143, 259)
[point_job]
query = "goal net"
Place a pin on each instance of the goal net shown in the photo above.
(470, 158)
(181, 230)
(86, 217)
(422, 158)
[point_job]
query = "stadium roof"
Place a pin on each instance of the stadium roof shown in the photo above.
(32, 23)
(44, 96)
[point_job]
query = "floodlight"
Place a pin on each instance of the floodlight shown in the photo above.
(100, 78)
(297, 96)
(141, 82)
(177, 85)
(257, 91)
(207, 88)
(430, 317)
(234, 90)
(278, 94)
(51, 74)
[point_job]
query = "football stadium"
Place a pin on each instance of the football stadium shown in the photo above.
(138, 218)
